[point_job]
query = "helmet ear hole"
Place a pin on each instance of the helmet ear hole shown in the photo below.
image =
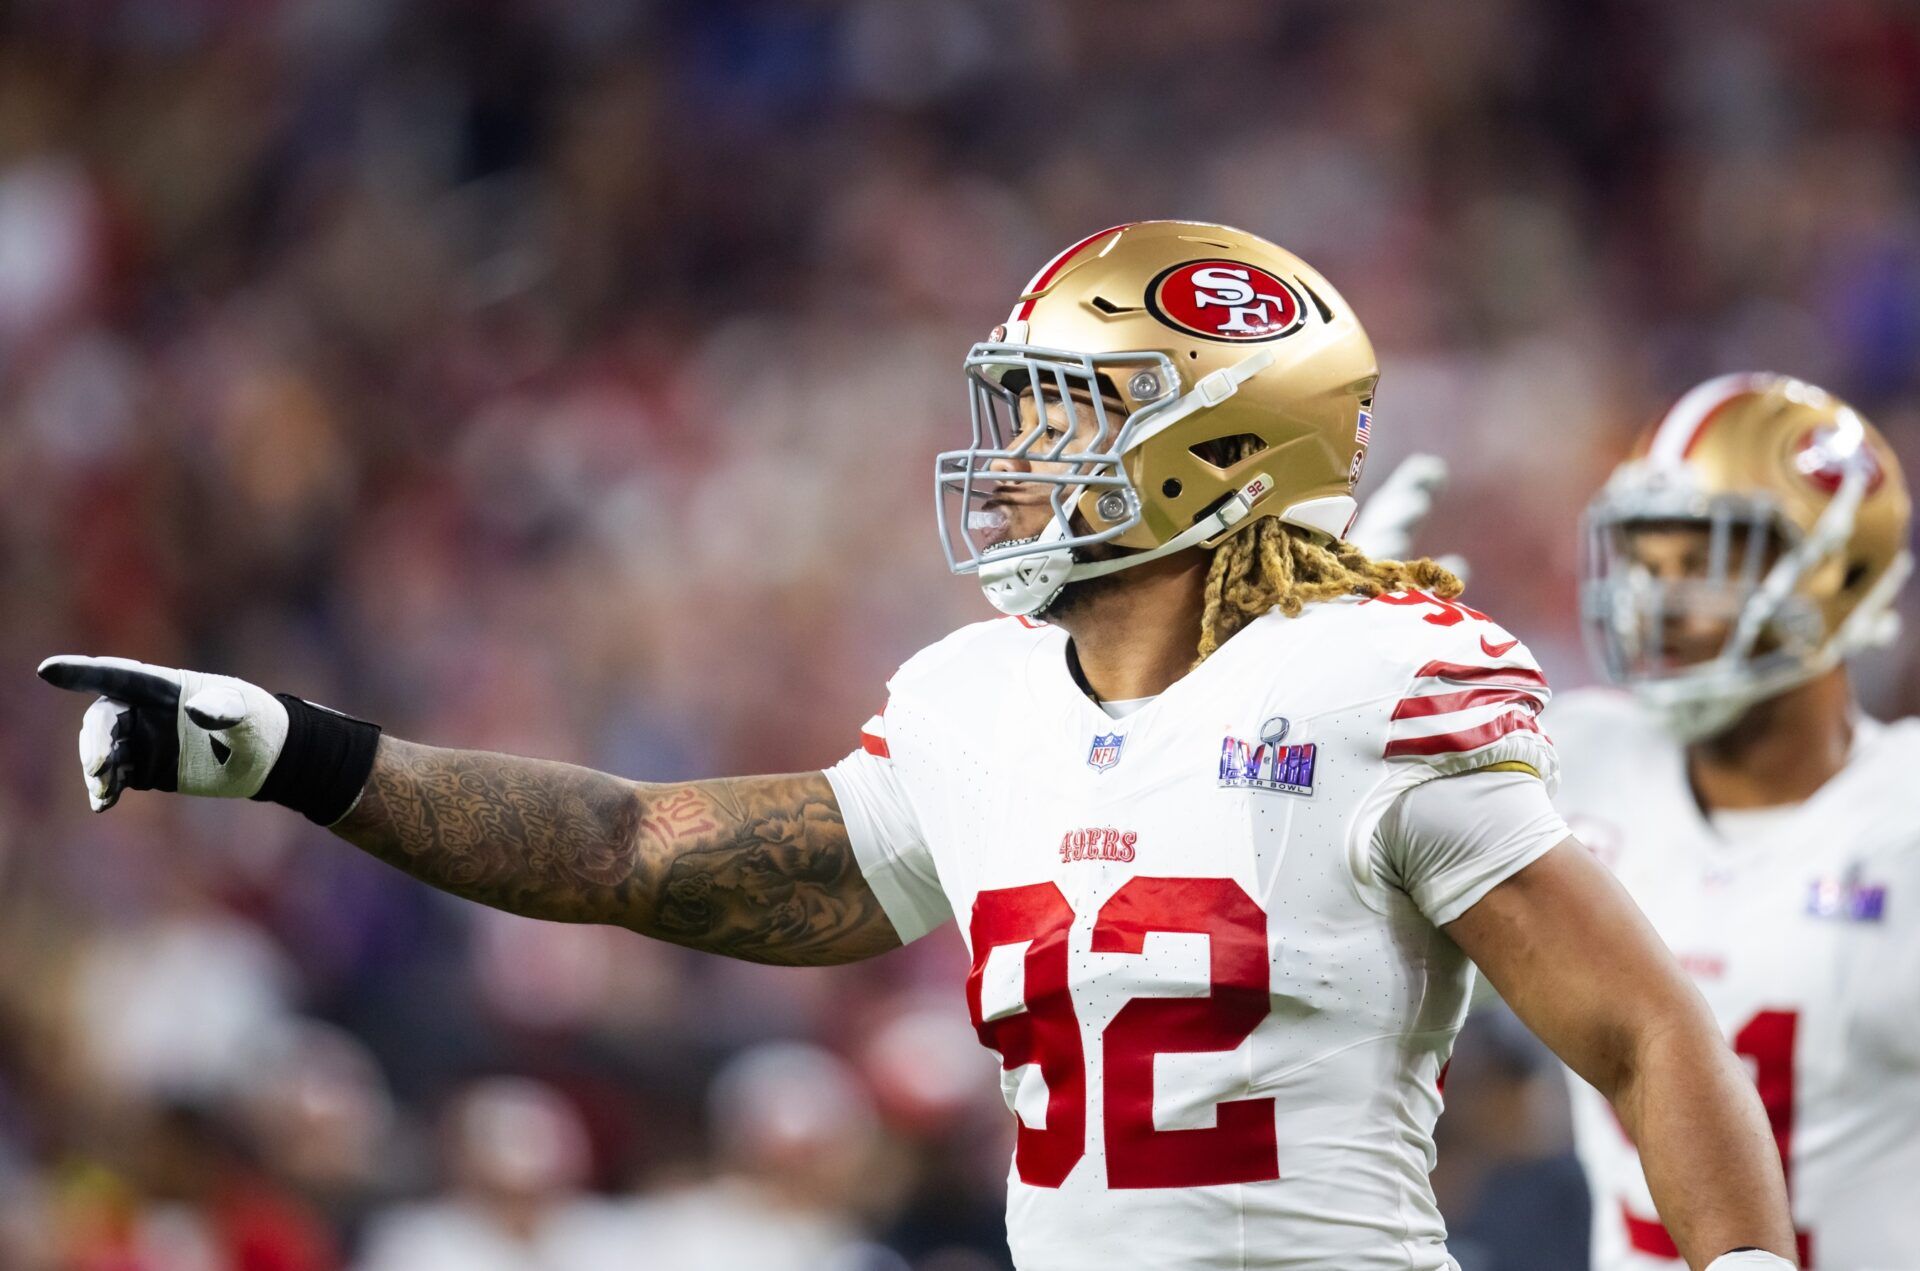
(1170, 488)
(1223, 452)
(1855, 575)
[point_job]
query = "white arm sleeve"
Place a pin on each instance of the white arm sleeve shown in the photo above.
(1449, 841)
(887, 842)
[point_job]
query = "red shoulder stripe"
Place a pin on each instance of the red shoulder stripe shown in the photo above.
(1468, 674)
(875, 745)
(1447, 703)
(1466, 739)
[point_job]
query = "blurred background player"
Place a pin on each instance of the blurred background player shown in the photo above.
(1166, 434)
(1754, 540)
(518, 1157)
(797, 1138)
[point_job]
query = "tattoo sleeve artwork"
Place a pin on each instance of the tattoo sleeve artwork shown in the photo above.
(758, 868)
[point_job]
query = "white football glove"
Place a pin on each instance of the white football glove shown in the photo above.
(1385, 527)
(157, 728)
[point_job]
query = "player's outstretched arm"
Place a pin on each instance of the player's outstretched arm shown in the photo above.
(752, 867)
(759, 868)
(1578, 963)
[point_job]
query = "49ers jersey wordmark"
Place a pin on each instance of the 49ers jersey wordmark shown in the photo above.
(1205, 935)
(1799, 927)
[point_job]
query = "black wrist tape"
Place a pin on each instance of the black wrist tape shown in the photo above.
(325, 763)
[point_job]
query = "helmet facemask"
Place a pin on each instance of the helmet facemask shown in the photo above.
(1763, 581)
(1109, 402)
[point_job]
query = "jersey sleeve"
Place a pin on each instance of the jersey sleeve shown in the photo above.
(1448, 843)
(1462, 714)
(887, 838)
(1467, 700)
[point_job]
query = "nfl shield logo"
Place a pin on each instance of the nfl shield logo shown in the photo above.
(1105, 751)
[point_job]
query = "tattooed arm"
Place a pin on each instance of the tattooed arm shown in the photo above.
(758, 868)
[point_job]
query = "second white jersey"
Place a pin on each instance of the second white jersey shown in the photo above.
(1221, 1006)
(1802, 929)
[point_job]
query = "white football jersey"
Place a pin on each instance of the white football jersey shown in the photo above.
(1220, 998)
(1801, 926)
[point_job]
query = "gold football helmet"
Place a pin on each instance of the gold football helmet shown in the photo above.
(1806, 513)
(1211, 379)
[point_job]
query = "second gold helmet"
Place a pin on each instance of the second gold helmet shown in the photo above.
(1806, 512)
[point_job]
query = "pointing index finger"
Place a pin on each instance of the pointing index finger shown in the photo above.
(122, 679)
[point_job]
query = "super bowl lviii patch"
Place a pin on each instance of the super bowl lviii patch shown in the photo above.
(1266, 766)
(1848, 898)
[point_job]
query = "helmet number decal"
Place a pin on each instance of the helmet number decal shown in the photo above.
(1225, 300)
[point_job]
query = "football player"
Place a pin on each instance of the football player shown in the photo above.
(1753, 540)
(1223, 807)
(1768, 827)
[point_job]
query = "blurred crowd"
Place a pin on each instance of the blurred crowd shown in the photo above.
(563, 376)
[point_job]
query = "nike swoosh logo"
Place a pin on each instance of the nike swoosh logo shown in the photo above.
(1496, 650)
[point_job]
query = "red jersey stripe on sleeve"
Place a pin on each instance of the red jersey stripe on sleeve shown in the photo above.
(1447, 703)
(1462, 672)
(875, 745)
(1466, 739)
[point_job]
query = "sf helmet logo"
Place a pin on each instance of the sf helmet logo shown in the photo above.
(1819, 459)
(1225, 300)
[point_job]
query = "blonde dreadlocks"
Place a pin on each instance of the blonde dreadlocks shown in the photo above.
(1275, 566)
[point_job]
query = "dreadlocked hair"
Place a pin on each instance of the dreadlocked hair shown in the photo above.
(1270, 565)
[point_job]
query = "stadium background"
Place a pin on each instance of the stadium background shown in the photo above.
(562, 376)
